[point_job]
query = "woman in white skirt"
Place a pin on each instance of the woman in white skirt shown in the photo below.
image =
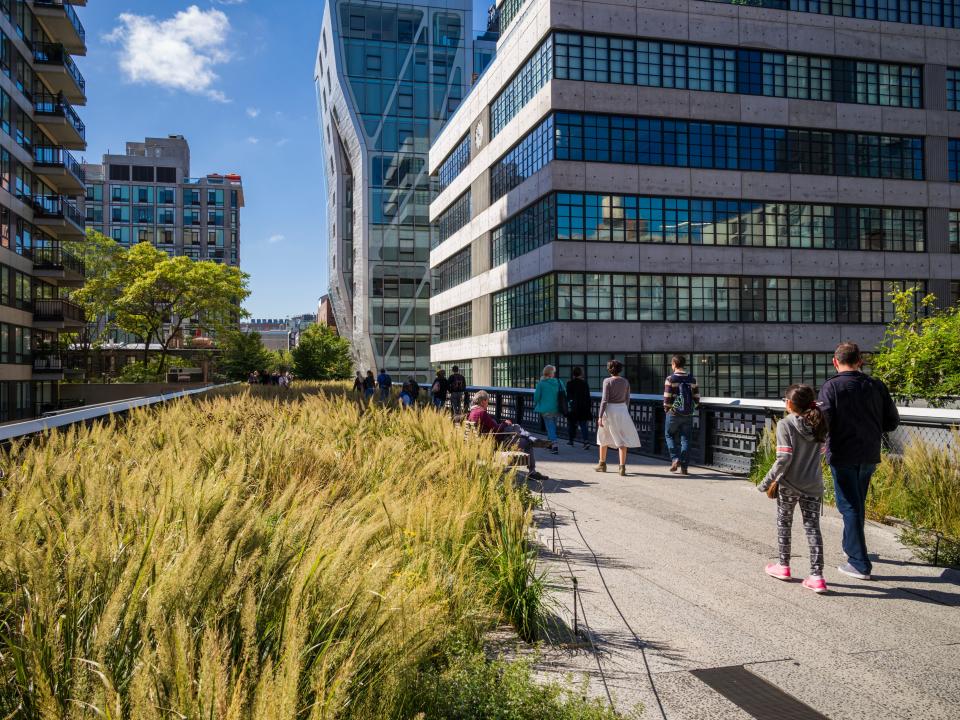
(615, 427)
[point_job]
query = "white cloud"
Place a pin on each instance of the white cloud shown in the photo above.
(177, 53)
(282, 141)
(230, 2)
(274, 239)
(253, 112)
(253, 140)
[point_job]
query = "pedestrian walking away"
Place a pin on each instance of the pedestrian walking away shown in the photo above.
(358, 383)
(795, 479)
(579, 407)
(550, 400)
(615, 426)
(369, 384)
(859, 410)
(439, 389)
(681, 395)
(457, 386)
(384, 382)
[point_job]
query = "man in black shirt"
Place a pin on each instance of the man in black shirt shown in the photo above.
(456, 385)
(859, 411)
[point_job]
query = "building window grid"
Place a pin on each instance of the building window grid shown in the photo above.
(452, 219)
(452, 272)
(913, 12)
(453, 324)
(532, 227)
(531, 154)
(456, 161)
(525, 84)
(699, 298)
(954, 234)
(953, 159)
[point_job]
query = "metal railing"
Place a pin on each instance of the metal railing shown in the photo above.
(56, 310)
(52, 256)
(57, 206)
(57, 105)
(46, 361)
(68, 11)
(54, 54)
(56, 156)
(727, 431)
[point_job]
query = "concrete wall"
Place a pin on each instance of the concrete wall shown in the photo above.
(95, 393)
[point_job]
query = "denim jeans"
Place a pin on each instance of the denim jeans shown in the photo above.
(368, 393)
(850, 483)
(677, 430)
(438, 401)
(456, 402)
(550, 422)
(384, 394)
(583, 425)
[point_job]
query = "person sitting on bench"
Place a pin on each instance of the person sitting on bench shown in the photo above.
(506, 433)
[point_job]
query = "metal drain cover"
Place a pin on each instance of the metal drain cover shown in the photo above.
(754, 695)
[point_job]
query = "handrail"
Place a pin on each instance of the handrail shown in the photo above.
(69, 12)
(45, 53)
(14, 431)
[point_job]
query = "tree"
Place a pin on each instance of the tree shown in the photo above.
(322, 355)
(243, 353)
(920, 355)
(147, 293)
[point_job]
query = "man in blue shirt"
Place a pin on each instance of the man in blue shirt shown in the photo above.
(384, 382)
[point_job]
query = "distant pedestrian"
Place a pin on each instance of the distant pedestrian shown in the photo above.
(253, 378)
(369, 385)
(265, 378)
(438, 390)
(550, 400)
(384, 382)
(358, 383)
(457, 386)
(615, 426)
(579, 407)
(409, 392)
(284, 380)
(859, 411)
(680, 398)
(799, 481)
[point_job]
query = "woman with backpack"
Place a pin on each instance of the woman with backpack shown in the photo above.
(369, 384)
(796, 478)
(439, 389)
(550, 400)
(579, 407)
(615, 426)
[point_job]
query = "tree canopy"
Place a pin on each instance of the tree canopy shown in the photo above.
(920, 356)
(143, 291)
(243, 353)
(322, 355)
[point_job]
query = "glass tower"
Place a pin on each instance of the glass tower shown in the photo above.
(388, 75)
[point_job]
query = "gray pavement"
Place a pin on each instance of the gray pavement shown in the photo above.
(670, 570)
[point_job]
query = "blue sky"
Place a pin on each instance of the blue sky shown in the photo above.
(235, 77)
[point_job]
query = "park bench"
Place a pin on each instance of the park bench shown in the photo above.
(509, 458)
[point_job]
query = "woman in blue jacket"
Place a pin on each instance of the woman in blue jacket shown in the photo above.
(546, 401)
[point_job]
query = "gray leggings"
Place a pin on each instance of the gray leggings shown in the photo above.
(810, 508)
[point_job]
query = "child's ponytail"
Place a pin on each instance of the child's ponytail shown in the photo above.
(804, 401)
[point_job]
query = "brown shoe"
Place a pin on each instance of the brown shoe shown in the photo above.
(623, 469)
(601, 467)
(674, 466)
(683, 470)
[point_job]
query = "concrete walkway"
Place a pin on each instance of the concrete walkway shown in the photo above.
(670, 570)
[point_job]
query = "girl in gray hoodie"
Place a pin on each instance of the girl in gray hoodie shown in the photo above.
(797, 471)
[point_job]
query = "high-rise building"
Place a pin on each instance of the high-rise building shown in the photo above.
(744, 185)
(388, 75)
(148, 195)
(39, 177)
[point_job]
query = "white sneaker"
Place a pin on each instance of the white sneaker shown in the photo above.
(848, 569)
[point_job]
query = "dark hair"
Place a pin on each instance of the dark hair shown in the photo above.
(455, 369)
(577, 372)
(679, 360)
(615, 367)
(804, 401)
(848, 353)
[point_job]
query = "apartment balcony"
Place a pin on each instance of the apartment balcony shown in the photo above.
(60, 168)
(59, 216)
(48, 365)
(57, 315)
(53, 63)
(60, 21)
(52, 262)
(55, 115)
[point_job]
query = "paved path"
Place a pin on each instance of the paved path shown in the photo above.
(681, 558)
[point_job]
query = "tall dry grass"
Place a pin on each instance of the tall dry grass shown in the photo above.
(249, 557)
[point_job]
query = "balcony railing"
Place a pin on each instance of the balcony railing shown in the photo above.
(45, 310)
(55, 54)
(57, 105)
(70, 13)
(52, 256)
(57, 206)
(55, 156)
(47, 361)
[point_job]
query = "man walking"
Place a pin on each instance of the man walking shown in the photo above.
(384, 382)
(680, 397)
(456, 385)
(859, 411)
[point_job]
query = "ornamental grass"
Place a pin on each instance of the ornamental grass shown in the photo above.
(262, 554)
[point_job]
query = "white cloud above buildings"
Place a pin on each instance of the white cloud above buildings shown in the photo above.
(274, 239)
(178, 53)
(253, 112)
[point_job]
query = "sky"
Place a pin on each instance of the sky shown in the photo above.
(235, 78)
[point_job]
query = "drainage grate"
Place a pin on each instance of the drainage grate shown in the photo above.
(756, 696)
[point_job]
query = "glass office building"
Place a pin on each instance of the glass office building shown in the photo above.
(388, 76)
(744, 185)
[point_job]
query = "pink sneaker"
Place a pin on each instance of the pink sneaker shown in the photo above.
(780, 572)
(816, 583)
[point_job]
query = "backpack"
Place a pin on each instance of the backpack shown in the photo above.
(436, 387)
(683, 403)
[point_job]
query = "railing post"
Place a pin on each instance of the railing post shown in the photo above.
(518, 402)
(705, 436)
(498, 405)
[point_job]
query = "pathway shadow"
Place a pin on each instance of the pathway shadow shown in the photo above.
(932, 596)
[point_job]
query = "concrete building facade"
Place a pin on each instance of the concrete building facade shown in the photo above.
(744, 185)
(148, 195)
(39, 181)
(388, 76)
